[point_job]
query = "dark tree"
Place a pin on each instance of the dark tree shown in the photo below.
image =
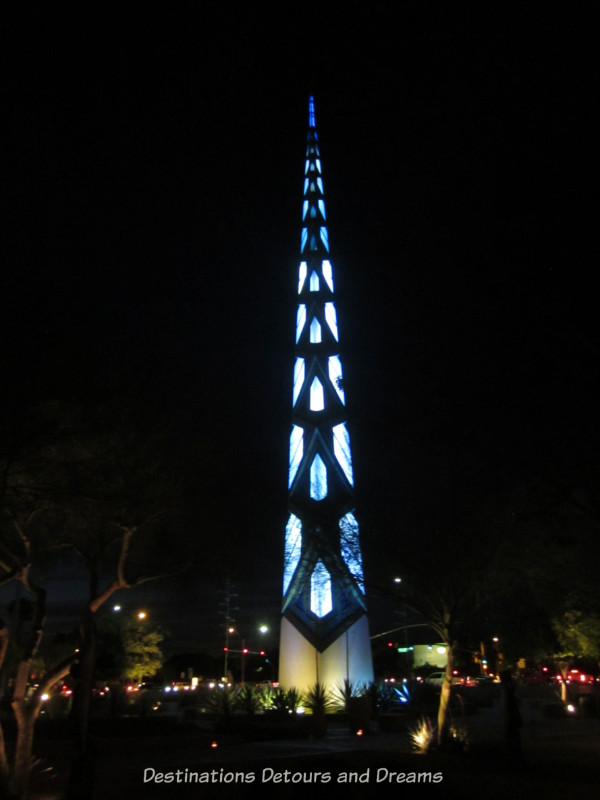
(97, 482)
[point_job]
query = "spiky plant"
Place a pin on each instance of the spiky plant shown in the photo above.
(318, 699)
(343, 694)
(459, 737)
(276, 701)
(422, 735)
(224, 701)
(293, 699)
(249, 700)
(383, 696)
(409, 692)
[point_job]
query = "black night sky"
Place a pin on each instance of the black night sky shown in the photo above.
(152, 175)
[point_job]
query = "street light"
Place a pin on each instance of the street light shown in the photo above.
(231, 630)
(228, 632)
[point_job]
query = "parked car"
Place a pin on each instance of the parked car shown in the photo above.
(435, 678)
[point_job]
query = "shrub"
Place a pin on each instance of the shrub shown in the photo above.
(422, 735)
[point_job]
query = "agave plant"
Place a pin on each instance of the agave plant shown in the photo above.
(355, 700)
(409, 692)
(224, 701)
(318, 699)
(294, 700)
(249, 700)
(276, 701)
(282, 702)
(348, 691)
(383, 696)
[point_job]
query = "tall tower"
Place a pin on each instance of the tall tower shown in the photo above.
(324, 628)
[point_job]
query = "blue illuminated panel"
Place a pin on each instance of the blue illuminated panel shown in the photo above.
(328, 273)
(315, 331)
(293, 549)
(331, 318)
(350, 548)
(299, 370)
(300, 320)
(302, 275)
(341, 449)
(296, 451)
(335, 376)
(318, 479)
(321, 599)
(317, 397)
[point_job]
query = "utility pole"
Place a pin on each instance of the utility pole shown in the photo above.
(227, 608)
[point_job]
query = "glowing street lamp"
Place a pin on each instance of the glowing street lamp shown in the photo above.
(244, 651)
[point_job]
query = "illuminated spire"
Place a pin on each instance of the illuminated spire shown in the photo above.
(323, 587)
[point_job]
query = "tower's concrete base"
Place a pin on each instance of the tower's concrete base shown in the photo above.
(348, 658)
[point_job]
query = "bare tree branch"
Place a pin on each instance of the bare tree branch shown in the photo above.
(55, 674)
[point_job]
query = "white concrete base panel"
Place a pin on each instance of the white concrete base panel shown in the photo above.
(348, 658)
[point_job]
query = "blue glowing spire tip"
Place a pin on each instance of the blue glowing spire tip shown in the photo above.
(311, 112)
